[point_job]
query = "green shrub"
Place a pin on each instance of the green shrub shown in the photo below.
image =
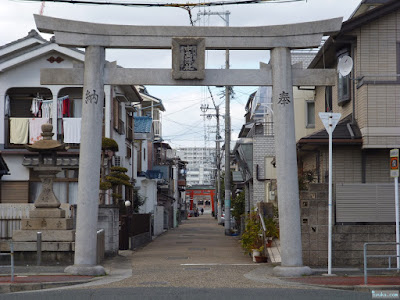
(252, 235)
(109, 144)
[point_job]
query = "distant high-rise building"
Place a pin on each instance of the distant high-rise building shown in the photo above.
(201, 165)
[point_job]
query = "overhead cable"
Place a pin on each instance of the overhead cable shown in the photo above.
(155, 4)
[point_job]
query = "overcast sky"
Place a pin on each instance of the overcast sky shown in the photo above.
(182, 123)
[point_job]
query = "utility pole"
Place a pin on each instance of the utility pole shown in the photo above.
(217, 200)
(218, 205)
(227, 138)
(227, 146)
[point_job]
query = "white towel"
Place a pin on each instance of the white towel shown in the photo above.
(72, 130)
(35, 129)
(19, 130)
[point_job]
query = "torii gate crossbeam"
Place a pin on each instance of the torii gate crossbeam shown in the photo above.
(280, 74)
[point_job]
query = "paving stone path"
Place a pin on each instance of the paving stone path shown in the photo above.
(196, 254)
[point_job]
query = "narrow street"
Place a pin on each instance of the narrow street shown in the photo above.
(196, 254)
(194, 261)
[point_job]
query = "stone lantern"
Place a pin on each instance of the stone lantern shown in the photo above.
(47, 218)
(47, 148)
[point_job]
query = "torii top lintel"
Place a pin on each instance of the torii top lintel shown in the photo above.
(82, 34)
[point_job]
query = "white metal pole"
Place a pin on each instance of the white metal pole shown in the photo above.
(330, 200)
(396, 196)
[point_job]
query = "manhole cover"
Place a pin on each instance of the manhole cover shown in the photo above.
(154, 283)
(197, 249)
(184, 242)
(177, 257)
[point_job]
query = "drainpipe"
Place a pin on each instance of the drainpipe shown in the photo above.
(353, 117)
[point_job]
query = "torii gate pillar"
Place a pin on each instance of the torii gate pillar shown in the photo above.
(89, 165)
(285, 153)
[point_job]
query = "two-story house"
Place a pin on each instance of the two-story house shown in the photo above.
(25, 104)
(367, 99)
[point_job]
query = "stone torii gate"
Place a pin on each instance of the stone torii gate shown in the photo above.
(188, 45)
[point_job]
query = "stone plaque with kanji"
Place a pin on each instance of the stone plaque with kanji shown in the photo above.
(188, 58)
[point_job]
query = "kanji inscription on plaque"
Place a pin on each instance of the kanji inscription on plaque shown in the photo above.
(187, 61)
(188, 58)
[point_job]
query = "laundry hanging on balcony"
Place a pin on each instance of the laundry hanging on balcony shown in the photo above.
(19, 128)
(35, 129)
(46, 108)
(63, 107)
(72, 130)
(36, 106)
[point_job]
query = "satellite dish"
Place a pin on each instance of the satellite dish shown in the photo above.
(345, 65)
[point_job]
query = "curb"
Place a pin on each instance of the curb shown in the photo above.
(358, 288)
(23, 287)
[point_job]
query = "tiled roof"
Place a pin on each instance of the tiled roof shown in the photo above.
(32, 34)
(143, 124)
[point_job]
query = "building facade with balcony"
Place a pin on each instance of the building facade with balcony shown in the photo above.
(26, 104)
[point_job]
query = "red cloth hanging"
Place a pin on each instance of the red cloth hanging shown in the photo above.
(66, 107)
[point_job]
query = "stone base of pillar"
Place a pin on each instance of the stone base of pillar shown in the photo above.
(90, 270)
(292, 271)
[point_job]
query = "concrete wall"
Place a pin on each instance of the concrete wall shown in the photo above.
(347, 240)
(109, 221)
(159, 220)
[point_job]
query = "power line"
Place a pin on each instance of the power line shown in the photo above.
(176, 5)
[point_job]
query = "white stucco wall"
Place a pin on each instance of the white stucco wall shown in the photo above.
(17, 171)
(159, 220)
(148, 189)
(300, 108)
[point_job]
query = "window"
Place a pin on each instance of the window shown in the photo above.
(117, 114)
(128, 152)
(129, 126)
(343, 86)
(310, 114)
(328, 99)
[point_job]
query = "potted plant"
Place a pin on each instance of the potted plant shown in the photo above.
(272, 230)
(258, 255)
(252, 241)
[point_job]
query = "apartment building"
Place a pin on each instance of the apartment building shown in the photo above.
(201, 165)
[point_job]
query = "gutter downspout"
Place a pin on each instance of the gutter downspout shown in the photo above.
(353, 117)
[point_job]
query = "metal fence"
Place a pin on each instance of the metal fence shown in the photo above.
(381, 256)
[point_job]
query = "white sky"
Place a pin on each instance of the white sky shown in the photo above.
(182, 123)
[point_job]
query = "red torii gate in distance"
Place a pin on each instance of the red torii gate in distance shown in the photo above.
(201, 191)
